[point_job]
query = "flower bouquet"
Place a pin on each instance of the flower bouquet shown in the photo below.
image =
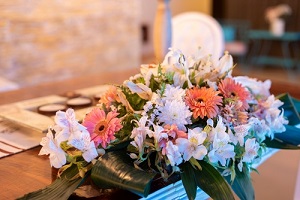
(187, 116)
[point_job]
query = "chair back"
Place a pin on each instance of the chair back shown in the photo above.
(194, 30)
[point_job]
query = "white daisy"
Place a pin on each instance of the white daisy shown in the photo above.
(175, 112)
(173, 93)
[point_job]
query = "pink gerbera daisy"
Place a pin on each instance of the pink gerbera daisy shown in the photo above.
(102, 127)
(231, 89)
(203, 102)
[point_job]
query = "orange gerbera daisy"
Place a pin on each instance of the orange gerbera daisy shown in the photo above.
(231, 89)
(203, 102)
(110, 97)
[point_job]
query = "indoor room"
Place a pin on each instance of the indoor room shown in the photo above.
(160, 99)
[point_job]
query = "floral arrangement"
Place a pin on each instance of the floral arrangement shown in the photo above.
(277, 12)
(186, 116)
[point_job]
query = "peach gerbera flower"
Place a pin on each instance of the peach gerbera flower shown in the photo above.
(203, 102)
(109, 97)
(231, 89)
(102, 127)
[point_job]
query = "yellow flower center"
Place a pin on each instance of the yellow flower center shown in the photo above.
(194, 141)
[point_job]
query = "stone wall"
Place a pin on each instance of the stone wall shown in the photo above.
(45, 40)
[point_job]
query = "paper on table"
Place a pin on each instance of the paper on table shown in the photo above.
(21, 126)
(15, 138)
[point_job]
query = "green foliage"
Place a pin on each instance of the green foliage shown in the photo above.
(290, 139)
(153, 85)
(60, 189)
(242, 184)
(188, 180)
(127, 124)
(134, 99)
(208, 179)
(115, 170)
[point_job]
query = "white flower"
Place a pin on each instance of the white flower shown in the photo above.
(65, 119)
(176, 63)
(149, 105)
(141, 128)
(205, 68)
(142, 90)
(173, 154)
(173, 93)
(220, 128)
(50, 146)
(221, 152)
(174, 58)
(260, 128)
(81, 140)
(175, 112)
(193, 146)
(158, 135)
(221, 149)
(251, 148)
(240, 132)
(66, 124)
(273, 116)
(147, 71)
(272, 102)
(225, 64)
(256, 87)
(279, 123)
(138, 143)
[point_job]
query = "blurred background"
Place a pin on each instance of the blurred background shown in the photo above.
(49, 40)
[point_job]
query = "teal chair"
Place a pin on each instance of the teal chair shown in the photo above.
(236, 38)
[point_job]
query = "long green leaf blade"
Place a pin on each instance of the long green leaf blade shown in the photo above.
(290, 139)
(115, 169)
(212, 182)
(242, 184)
(60, 189)
(188, 180)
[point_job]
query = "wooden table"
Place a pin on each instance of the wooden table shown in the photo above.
(25, 172)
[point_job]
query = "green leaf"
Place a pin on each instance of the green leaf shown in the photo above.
(291, 108)
(242, 184)
(60, 189)
(115, 169)
(290, 139)
(212, 182)
(188, 180)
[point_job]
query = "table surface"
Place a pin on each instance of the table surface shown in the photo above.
(25, 172)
